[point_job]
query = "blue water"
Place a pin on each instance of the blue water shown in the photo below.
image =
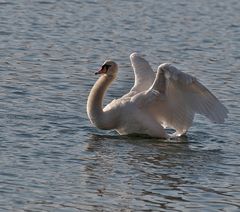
(52, 159)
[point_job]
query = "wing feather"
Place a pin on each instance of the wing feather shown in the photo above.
(144, 75)
(185, 96)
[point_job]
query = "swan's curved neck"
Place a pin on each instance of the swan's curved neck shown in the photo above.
(95, 103)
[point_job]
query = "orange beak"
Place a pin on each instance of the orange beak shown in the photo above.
(103, 70)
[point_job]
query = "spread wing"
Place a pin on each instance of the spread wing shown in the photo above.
(144, 75)
(182, 95)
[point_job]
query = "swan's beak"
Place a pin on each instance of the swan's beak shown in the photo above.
(103, 70)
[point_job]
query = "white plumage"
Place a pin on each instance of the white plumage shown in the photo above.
(167, 98)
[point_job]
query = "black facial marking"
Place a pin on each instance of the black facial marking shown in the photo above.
(106, 66)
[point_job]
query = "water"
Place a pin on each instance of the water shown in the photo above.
(52, 159)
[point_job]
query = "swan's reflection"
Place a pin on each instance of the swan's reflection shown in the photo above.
(138, 170)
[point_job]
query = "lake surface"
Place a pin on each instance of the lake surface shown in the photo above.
(52, 159)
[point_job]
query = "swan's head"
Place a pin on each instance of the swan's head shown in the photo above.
(109, 68)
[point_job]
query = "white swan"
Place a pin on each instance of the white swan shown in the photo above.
(168, 98)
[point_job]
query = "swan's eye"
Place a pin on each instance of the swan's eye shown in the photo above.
(106, 66)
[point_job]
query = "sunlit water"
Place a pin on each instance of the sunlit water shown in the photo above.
(52, 159)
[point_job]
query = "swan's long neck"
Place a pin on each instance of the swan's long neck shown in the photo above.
(95, 111)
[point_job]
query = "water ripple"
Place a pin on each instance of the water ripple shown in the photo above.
(53, 159)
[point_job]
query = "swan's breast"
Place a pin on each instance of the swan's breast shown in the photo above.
(129, 120)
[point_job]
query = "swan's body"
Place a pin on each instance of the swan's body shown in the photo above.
(168, 98)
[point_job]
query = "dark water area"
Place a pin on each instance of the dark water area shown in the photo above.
(53, 159)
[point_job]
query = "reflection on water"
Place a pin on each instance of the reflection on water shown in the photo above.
(143, 172)
(52, 159)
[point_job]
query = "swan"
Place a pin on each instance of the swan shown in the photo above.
(167, 98)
